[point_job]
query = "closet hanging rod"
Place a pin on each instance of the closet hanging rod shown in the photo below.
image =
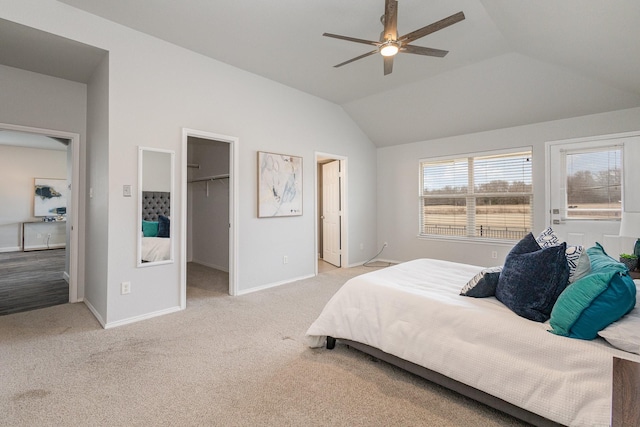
(211, 178)
(193, 165)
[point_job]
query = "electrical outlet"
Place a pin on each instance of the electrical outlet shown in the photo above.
(494, 254)
(125, 288)
(285, 259)
(385, 244)
(48, 235)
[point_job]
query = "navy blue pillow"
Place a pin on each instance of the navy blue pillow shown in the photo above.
(533, 278)
(164, 226)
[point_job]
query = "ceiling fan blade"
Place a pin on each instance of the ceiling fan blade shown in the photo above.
(431, 28)
(352, 39)
(390, 20)
(356, 58)
(427, 51)
(388, 64)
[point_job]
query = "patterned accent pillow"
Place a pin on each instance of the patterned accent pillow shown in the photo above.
(574, 256)
(548, 238)
(482, 284)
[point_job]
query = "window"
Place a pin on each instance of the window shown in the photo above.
(486, 196)
(593, 179)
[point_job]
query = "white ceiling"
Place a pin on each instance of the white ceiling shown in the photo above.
(511, 62)
(30, 140)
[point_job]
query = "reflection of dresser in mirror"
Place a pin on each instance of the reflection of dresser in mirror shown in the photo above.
(41, 235)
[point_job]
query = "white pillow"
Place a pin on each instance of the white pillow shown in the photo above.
(625, 333)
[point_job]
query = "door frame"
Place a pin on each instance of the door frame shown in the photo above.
(76, 284)
(344, 228)
(233, 208)
(612, 242)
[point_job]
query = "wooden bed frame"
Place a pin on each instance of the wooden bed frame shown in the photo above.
(449, 383)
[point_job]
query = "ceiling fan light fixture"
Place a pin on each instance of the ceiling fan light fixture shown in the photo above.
(390, 48)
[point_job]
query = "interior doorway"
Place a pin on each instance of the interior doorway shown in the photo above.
(208, 247)
(331, 211)
(54, 242)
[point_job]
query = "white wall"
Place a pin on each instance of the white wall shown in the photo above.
(154, 90)
(156, 171)
(95, 192)
(398, 169)
(18, 168)
(39, 101)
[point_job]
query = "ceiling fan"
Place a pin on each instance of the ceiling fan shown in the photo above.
(390, 44)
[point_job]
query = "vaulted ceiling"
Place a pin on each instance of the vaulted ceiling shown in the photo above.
(510, 62)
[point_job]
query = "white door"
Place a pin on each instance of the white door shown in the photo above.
(585, 183)
(331, 213)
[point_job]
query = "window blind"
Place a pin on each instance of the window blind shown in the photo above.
(481, 196)
(594, 183)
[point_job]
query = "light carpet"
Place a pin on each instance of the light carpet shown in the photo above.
(224, 361)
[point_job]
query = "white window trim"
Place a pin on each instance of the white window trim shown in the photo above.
(466, 239)
(592, 142)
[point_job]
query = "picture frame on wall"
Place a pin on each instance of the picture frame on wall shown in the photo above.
(279, 185)
(49, 197)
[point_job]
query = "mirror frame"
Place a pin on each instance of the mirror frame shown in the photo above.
(141, 151)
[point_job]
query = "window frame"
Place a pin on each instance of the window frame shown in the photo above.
(471, 194)
(584, 148)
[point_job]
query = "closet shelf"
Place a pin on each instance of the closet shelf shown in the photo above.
(208, 179)
(211, 178)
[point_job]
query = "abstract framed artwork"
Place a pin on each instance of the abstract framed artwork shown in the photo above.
(279, 185)
(50, 197)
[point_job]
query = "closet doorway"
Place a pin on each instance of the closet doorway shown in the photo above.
(208, 212)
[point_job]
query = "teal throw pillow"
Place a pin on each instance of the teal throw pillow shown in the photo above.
(595, 301)
(149, 228)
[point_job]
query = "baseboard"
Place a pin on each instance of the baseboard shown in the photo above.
(207, 264)
(273, 285)
(66, 277)
(135, 319)
(93, 310)
(11, 249)
(45, 247)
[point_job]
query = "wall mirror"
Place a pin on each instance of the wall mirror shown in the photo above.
(155, 188)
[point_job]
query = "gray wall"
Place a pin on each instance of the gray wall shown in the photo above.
(18, 168)
(39, 101)
(155, 89)
(398, 168)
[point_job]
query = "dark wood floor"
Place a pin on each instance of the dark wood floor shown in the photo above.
(31, 280)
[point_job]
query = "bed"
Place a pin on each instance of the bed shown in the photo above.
(412, 315)
(155, 243)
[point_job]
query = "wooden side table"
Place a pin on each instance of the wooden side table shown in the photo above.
(635, 274)
(625, 410)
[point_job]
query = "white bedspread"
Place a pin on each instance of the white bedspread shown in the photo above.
(156, 249)
(414, 311)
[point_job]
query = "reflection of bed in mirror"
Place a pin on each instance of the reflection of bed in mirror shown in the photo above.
(155, 228)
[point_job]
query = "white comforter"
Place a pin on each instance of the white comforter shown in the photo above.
(414, 311)
(156, 249)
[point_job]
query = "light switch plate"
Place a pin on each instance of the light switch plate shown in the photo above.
(126, 190)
